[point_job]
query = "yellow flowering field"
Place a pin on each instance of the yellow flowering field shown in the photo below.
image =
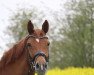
(71, 71)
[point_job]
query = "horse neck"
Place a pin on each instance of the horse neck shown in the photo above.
(19, 67)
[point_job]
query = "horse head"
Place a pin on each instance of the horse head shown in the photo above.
(37, 46)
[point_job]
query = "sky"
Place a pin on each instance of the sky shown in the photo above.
(8, 7)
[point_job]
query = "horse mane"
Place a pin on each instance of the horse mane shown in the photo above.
(13, 53)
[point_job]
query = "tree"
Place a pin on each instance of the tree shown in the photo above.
(76, 47)
(18, 23)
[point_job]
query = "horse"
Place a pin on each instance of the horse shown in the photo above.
(29, 55)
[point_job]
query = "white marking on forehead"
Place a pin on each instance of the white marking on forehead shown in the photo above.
(37, 40)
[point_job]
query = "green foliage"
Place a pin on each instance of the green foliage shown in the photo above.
(76, 48)
(18, 23)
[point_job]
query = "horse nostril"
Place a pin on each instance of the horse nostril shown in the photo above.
(37, 66)
(45, 65)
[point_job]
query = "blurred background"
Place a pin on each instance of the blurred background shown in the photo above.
(71, 28)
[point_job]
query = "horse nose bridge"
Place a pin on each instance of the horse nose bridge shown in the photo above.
(40, 48)
(40, 60)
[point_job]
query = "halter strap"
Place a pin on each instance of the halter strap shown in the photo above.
(40, 53)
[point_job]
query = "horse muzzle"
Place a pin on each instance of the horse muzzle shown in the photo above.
(41, 61)
(40, 67)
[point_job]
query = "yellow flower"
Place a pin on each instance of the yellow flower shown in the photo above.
(71, 71)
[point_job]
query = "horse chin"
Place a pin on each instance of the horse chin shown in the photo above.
(40, 72)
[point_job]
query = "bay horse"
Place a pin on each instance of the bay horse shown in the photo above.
(29, 55)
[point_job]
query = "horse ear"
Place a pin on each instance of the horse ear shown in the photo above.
(45, 26)
(30, 27)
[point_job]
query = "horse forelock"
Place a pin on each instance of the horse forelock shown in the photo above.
(13, 53)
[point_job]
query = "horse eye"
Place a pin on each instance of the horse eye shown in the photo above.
(48, 44)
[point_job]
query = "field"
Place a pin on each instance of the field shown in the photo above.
(71, 71)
